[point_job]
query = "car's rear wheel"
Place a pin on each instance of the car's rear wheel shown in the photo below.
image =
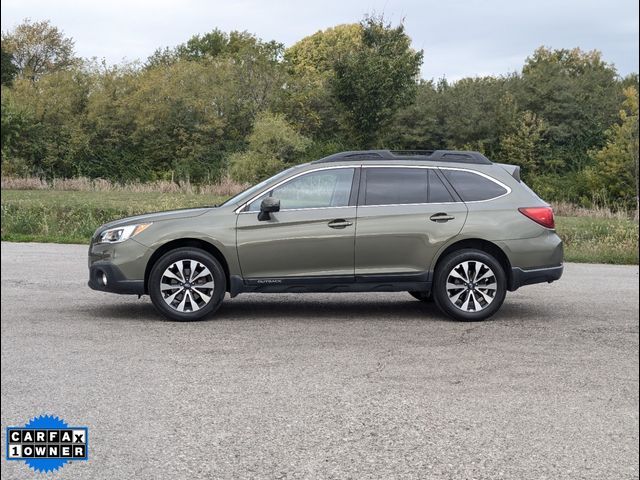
(470, 285)
(422, 296)
(187, 284)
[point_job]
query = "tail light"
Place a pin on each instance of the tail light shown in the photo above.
(540, 215)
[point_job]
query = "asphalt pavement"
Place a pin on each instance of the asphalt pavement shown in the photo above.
(321, 386)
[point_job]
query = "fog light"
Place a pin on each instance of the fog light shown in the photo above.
(104, 279)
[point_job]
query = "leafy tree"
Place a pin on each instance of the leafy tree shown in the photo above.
(630, 80)
(274, 144)
(183, 115)
(419, 126)
(7, 68)
(162, 57)
(38, 48)
(616, 165)
(258, 75)
(212, 44)
(476, 112)
(577, 94)
(52, 114)
(247, 73)
(473, 113)
(116, 149)
(525, 146)
(13, 123)
(319, 52)
(374, 81)
(307, 99)
(217, 44)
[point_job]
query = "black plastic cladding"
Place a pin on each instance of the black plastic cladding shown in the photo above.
(452, 156)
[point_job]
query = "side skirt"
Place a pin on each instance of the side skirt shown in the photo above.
(333, 284)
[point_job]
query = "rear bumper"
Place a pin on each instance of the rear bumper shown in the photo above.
(116, 281)
(521, 277)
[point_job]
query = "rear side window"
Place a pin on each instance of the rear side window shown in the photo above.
(473, 187)
(438, 193)
(402, 186)
(391, 186)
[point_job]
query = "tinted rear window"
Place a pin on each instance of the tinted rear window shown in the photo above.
(438, 193)
(472, 187)
(389, 186)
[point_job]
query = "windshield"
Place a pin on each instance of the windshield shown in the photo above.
(246, 194)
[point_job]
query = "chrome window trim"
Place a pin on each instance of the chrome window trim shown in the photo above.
(299, 209)
(430, 167)
(410, 204)
(269, 188)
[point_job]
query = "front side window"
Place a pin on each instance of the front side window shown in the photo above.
(473, 187)
(246, 194)
(321, 189)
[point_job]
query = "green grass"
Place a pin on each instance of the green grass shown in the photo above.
(72, 217)
(599, 240)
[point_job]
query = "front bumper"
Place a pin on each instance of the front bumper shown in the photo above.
(521, 277)
(122, 265)
(106, 277)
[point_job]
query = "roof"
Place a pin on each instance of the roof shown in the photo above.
(453, 156)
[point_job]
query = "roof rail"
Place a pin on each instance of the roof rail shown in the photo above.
(453, 156)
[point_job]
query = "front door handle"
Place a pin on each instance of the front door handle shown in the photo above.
(340, 223)
(441, 217)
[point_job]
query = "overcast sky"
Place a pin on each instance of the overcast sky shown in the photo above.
(459, 37)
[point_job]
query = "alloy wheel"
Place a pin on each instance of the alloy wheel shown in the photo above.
(471, 286)
(187, 285)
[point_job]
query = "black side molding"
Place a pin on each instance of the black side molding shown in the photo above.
(338, 283)
(521, 277)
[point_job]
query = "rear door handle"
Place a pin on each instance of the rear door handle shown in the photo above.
(341, 223)
(441, 217)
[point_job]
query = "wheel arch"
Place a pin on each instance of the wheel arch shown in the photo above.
(478, 244)
(181, 243)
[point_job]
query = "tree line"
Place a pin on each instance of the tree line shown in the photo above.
(231, 104)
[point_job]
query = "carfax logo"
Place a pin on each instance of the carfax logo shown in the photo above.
(46, 443)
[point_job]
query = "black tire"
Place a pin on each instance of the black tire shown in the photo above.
(195, 307)
(422, 296)
(478, 291)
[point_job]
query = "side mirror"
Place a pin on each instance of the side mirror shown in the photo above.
(268, 206)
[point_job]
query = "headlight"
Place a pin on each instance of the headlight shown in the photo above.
(120, 234)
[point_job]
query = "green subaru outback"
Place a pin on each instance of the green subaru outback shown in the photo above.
(445, 226)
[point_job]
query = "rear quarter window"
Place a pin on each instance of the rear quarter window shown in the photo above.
(473, 187)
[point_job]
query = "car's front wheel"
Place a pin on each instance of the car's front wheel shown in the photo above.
(470, 285)
(187, 284)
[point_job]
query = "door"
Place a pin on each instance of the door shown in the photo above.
(311, 236)
(405, 214)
